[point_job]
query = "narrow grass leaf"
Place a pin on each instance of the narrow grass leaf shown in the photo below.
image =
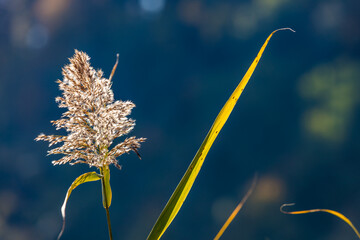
(179, 195)
(86, 177)
(107, 197)
(335, 213)
(236, 210)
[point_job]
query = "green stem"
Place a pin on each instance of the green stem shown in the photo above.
(106, 206)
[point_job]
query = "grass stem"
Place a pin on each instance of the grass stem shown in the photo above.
(106, 208)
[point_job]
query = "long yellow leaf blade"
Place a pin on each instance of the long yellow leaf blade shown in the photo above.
(335, 213)
(179, 195)
(86, 177)
(236, 210)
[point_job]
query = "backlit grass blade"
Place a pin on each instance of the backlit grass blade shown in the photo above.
(337, 214)
(236, 210)
(106, 193)
(179, 195)
(86, 177)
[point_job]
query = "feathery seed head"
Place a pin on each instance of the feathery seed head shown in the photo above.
(93, 119)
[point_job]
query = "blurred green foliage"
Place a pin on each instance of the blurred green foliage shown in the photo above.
(332, 92)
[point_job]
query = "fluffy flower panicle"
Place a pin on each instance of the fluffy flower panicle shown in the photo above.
(93, 119)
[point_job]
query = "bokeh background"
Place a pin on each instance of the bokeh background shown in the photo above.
(296, 124)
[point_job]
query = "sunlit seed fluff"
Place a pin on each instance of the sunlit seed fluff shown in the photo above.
(92, 120)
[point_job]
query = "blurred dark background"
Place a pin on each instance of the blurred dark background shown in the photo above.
(296, 124)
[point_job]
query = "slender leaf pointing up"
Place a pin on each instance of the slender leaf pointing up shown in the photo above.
(179, 195)
(236, 210)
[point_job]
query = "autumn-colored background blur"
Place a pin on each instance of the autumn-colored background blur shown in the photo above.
(297, 123)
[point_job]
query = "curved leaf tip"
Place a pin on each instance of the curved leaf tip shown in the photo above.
(86, 177)
(281, 29)
(335, 213)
